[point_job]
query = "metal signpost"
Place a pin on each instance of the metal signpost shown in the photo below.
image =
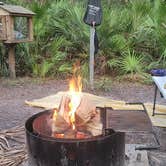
(91, 59)
(93, 17)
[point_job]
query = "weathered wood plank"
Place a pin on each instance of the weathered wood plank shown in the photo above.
(13, 9)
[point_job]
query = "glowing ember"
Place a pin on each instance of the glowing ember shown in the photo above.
(58, 135)
(80, 135)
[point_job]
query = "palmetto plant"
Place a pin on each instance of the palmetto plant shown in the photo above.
(132, 37)
(66, 20)
(131, 63)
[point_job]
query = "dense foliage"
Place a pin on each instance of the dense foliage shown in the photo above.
(132, 38)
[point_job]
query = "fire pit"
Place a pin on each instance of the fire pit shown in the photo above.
(75, 134)
(44, 149)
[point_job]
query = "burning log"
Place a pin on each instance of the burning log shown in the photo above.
(87, 116)
(85, 111)
(76, 113)
(87, 119)
(60, 121)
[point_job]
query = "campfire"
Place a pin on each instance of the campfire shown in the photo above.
(75, 134)
(75, 114)
(76, 117)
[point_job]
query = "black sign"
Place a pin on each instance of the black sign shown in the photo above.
(93, 13)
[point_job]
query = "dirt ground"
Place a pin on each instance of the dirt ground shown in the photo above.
(13, 93)
(14, 112)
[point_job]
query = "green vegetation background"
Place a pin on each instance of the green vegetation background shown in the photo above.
(132, 39)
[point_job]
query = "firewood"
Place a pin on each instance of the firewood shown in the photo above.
(87, 117)
(64, 108)
(60, 125)
(86, 111)
(95, 126)
(62, 122)
(70, 134)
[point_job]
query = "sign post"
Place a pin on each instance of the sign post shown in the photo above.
(91, 59)
(93, 17)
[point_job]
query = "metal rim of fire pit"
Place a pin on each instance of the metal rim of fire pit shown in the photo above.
(29, 129)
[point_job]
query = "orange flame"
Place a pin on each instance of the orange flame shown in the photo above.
(75, 89)
(55, 115)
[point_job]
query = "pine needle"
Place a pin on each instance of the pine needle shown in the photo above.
(13, 155)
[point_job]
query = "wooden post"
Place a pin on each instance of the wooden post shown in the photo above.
(30, 29)
(11, 55)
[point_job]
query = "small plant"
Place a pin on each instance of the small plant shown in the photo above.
(131, 63)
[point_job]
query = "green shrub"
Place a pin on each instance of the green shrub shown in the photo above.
(61, 38)
(131, 63)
